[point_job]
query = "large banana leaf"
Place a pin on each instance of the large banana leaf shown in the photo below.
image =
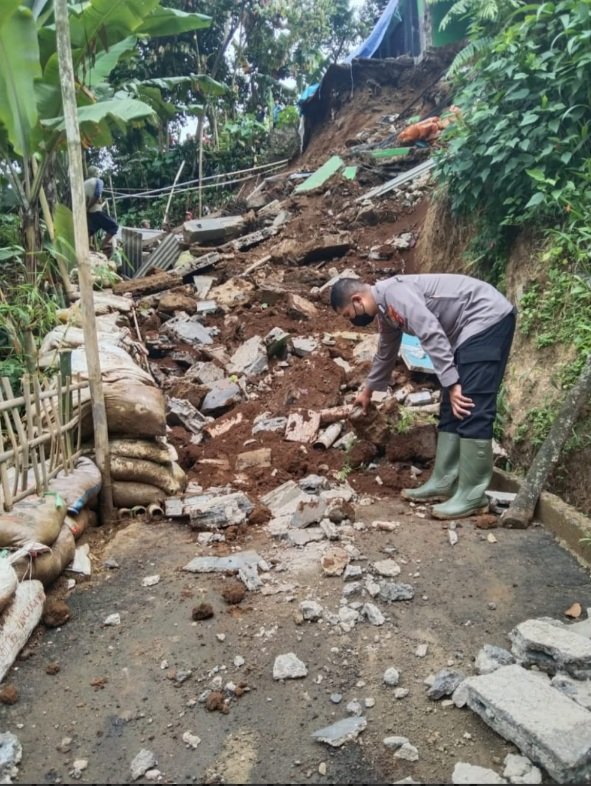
(19, 68)
(119, 110)
(49, 93)
(65, 246)
(209, 86)
(104, 22)
(169, 21)
(7, 9)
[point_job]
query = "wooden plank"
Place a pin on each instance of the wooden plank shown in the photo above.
(148, 284)
(320, 176)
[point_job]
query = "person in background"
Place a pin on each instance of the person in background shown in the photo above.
(466, 326)
(95, 215)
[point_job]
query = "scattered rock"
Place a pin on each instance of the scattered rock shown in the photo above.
(234, 593)
(341, 732)
(372, 614)
(490, 658)
(143, 762)
(150, 581)
(289, 667)
(55, 613)
(402, 693)
(519, 769)
(191, 740)
(388, 568)
(52, 668)
(8, 694)
(574, 611)
(311, 610)
(216, 701)
(203, 611)
(112, 619)
(470, 774)
(407, 752)
(422, 650)
(392, 676)
(392, 591)
(394, 743)
(445, 683)
(334, 561)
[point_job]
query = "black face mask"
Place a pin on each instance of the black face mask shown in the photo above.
(362, 320)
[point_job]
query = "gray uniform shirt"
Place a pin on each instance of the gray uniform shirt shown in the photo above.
(441, 310)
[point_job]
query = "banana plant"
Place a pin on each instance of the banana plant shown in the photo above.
(31, 121)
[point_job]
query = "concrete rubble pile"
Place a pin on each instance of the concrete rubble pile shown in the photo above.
(538, 696)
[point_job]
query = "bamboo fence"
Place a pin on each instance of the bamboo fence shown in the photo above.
(40, 434)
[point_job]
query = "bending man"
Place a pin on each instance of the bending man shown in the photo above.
(95, 216)
(466, 326)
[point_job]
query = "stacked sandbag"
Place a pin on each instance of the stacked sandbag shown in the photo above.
(144, 472)
(135, 406)
(55, 520)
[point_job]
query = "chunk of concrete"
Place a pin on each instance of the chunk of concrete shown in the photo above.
(303, 345)
(334, 561)
(445, 683)
(250, 358)
(309, 510)
(284, 499)
(392, 591)
(541, 643)
(209, 511)
(206, 230)
(311, 610)
(577, 690)
(233, 292)
(301, 537)
(387, 567)
(419, 399)
(188, 329)
(366, 349)
(223, 394)
(205, 373)
(233, 562)
(547, 727)
(372, 614)
(471, 774)
(265, 422)
(299, 308)
(519, 769)
(491, 658)
(289, 667)
(341, 732)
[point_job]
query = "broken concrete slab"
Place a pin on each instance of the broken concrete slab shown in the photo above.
(490, 658)
(304, 345)
(341, 732)
(250, 358)
(205, 372)
(445, 683)
(205, 307)
(310, 509)
(265, 422)
(284, 498)
(471, 774)
(223, 394)
(301, 537)
(253, 238)
(223, 425)
(182, 412)
(233, 562)
(519, 769)
(302, 426)
(299, 308)
(206, 230)
(546, 726)
(187, 329)
(541, 643)
(210, 511)
(577, 690)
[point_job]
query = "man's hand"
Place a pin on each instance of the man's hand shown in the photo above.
(460, 405)
(363, 399)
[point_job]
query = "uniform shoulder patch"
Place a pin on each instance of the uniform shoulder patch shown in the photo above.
(393, 314)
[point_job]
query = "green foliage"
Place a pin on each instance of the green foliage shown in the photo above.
(406, 421)
(559, 312)
(524, 134)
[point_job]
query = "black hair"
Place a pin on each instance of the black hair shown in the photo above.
(343, 290)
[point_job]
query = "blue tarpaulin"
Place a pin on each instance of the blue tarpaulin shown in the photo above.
(372, 43)
(308, 92)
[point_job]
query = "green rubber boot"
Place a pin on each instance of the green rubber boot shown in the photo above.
(440, 485)
(476, 468)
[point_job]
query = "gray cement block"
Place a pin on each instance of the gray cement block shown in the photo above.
(525, 709)
(541, 643)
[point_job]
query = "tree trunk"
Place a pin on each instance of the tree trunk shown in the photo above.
(521, 510)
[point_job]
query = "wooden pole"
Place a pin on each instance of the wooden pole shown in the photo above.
(521, 511)
(178, 174)
(99, 415)
(200, 171)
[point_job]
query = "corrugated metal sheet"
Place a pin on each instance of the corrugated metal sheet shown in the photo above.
(163, 257)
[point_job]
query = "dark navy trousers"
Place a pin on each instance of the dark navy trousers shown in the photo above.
(481, 363)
